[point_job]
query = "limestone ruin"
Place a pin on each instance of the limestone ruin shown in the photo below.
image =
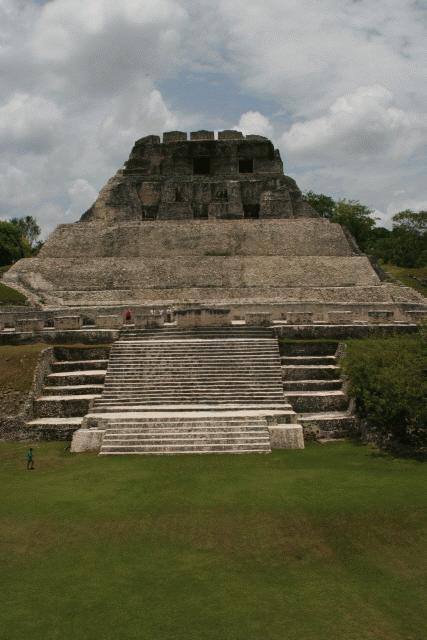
(217, 254)
(207, 222)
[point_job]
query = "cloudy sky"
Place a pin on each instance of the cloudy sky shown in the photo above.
(339, 85)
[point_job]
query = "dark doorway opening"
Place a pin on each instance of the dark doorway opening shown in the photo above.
(251, 210)
(201, 166)
(246, 165)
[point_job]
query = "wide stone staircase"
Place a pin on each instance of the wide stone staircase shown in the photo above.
(314, 387)
(75, 379)
(207, 390)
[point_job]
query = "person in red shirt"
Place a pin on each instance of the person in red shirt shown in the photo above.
(127, 315)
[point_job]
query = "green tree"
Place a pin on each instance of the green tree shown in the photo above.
(406, 244)
(409, 220)
(324, 205)
(357, 218)
(12, 246)
(29, 229)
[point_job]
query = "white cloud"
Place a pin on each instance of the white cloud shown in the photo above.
(30, 123)
(357, 126)
(254, 122)
(339, 83)
(81, 194)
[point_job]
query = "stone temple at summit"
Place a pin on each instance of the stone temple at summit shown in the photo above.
(212, 222)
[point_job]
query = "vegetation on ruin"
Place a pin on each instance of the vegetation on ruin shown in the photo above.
(18, 239)
(415, 277)
(9, 296)
(388, 381)
(322, 544)
(17, 367)
(405, 245)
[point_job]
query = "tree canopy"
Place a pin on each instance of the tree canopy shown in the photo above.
(18, 239)
(405, 245)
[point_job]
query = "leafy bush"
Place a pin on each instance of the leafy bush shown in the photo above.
(389, 383)
(12, 247)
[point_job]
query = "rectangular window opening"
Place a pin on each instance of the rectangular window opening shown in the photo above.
(246, 165)
(201, 166)
(251, 210)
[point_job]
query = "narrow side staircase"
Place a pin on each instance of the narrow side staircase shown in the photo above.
(314, 387)
(75, 380)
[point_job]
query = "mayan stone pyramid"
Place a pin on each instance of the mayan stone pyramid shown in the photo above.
(206, 221)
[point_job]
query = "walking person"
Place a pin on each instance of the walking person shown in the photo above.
(127, 316)
(30, 459)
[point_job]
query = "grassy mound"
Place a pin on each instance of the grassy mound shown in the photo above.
(415, 277)
(9, 296)
(388, 380)
(322, 544)
(17, 366)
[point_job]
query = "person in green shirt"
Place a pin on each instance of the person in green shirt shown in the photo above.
(30, 459)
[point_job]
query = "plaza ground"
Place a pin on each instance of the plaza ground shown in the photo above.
(328, 543)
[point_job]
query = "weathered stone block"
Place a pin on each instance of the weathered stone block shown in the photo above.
(286, 436)
(109, 322)
(68, 323)
(381, 316)
(340, 317)
(258, 318)
(148, 140)
(202, 135)
(149, 320)
(230, 134)
(86, 440)
(30, 324)
(299, 317)
(419, 316)
(203, 317)
(174, 136)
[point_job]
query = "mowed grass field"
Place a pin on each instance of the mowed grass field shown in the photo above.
(323, 544)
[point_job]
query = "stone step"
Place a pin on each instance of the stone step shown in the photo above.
(79, 365)
(155, 432)
(180, 438)
(307, 348)
(338, 423)
(79, 389)
(289, 415)
(115, 405)
(193, 385)
(76, 378)
(312, 385)
(63, 406)
(225, 334)
(308, 360)
(310, 372)
(188, 448)
(51, 423)
(311, 401)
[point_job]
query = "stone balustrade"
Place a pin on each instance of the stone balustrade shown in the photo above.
(299, 317)
(258, 318)
(109, 321)
(195, 317)
(68, 323)
(340, 317)
(150, 319)
(379, 316)
(30, 324)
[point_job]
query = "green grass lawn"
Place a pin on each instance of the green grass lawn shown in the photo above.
(322, 544)
(414, 277)
(9, 296)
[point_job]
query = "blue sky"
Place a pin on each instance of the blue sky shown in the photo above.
(338, 85)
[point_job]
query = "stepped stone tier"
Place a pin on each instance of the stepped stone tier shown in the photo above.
(206, 222)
